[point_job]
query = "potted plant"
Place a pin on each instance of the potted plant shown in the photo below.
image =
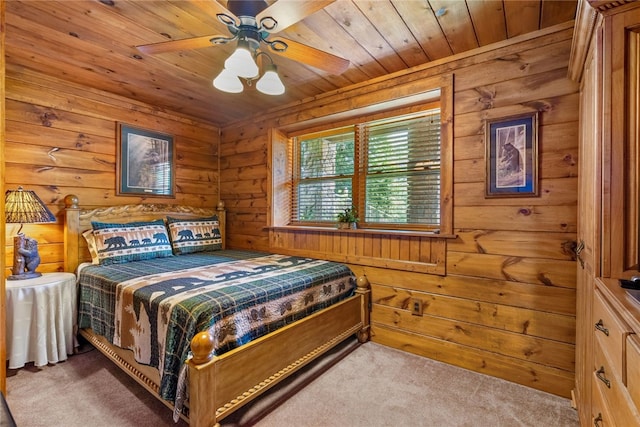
(348, 218)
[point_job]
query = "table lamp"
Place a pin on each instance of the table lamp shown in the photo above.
(25, 207)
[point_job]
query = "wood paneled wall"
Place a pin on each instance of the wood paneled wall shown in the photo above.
(505, 305)
(402, 251)
(3, 330)
(61, 139)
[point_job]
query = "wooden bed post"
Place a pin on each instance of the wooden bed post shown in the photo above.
(71, 233)
(364, 289)
(206, 369)
(222, 219)
(202, 347)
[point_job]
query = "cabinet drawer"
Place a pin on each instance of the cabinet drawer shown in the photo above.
(600, 415)
(633, 368)
(611, 332)
(615, 396)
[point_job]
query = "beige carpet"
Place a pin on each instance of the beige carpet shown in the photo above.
(370, 385)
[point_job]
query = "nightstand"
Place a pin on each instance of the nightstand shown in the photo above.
(41, 318)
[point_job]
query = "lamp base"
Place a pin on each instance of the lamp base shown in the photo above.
(24, 276)
(25, 258)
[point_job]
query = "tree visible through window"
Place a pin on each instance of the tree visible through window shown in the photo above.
(388, 169)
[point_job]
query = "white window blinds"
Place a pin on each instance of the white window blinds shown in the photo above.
(402, 170)
(389, 170)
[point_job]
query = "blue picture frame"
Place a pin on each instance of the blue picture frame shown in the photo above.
(512, 156)
(145, 163)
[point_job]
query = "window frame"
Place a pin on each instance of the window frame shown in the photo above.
(360, 175)
(280, 182)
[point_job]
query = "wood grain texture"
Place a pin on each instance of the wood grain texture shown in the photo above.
(95, 43)
(3, 349)
(534, 375)
(512, 257)
(519, 345)
(606, 60)
(589, 232)
(62, 140)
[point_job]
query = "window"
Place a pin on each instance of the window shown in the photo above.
(388, 169)
(325, 171)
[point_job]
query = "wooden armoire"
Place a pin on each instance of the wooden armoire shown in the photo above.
(606, 61)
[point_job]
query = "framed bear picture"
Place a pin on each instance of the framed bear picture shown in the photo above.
(512, 156)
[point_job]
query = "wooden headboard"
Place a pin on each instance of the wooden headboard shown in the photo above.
(79, 220)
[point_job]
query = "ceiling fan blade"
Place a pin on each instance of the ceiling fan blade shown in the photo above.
(175, 45)
(315, 57)
(288, 12)
(213, 8)
(210, 8)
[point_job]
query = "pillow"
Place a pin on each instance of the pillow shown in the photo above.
(91, 244)
(133, 241)
(194, 235)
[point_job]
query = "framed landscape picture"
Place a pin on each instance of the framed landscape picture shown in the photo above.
(145, 162)
(512, 156)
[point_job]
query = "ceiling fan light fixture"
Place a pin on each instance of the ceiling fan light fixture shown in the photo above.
(228, 82)
(270, 83)
(241, 62)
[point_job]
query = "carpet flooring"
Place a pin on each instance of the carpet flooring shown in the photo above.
(358, 385)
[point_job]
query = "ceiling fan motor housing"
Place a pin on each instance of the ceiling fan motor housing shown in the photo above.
(249, 8)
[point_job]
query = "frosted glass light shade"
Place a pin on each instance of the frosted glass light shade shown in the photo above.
(227, 81)
(270, 83)
(241, 63)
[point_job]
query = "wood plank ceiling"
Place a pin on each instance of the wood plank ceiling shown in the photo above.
(93, 43)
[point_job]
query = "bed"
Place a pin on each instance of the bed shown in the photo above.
(204, 328)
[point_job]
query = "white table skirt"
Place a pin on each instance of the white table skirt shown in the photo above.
(40, 318)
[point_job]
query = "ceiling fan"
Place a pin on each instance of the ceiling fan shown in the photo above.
(252, 22)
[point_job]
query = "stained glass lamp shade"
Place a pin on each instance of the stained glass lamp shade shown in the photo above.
(25, 207)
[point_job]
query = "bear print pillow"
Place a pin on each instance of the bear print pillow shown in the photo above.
(133, 241)
(194, 235)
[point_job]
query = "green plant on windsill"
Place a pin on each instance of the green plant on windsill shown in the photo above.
(348, 217)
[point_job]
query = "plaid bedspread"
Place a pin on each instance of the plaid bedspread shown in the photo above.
(155, 307)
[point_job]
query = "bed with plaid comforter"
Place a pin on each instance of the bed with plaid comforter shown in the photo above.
(155, 307)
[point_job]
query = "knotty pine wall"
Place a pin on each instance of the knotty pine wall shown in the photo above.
(505, 304)
(61, 139)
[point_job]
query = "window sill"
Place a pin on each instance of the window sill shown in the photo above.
(372, 231)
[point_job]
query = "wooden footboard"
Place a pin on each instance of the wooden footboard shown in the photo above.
(220, 385)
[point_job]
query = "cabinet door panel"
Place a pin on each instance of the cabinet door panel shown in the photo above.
(621, 141)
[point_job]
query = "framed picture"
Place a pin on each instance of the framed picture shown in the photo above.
(512, 156)
(145, 163)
